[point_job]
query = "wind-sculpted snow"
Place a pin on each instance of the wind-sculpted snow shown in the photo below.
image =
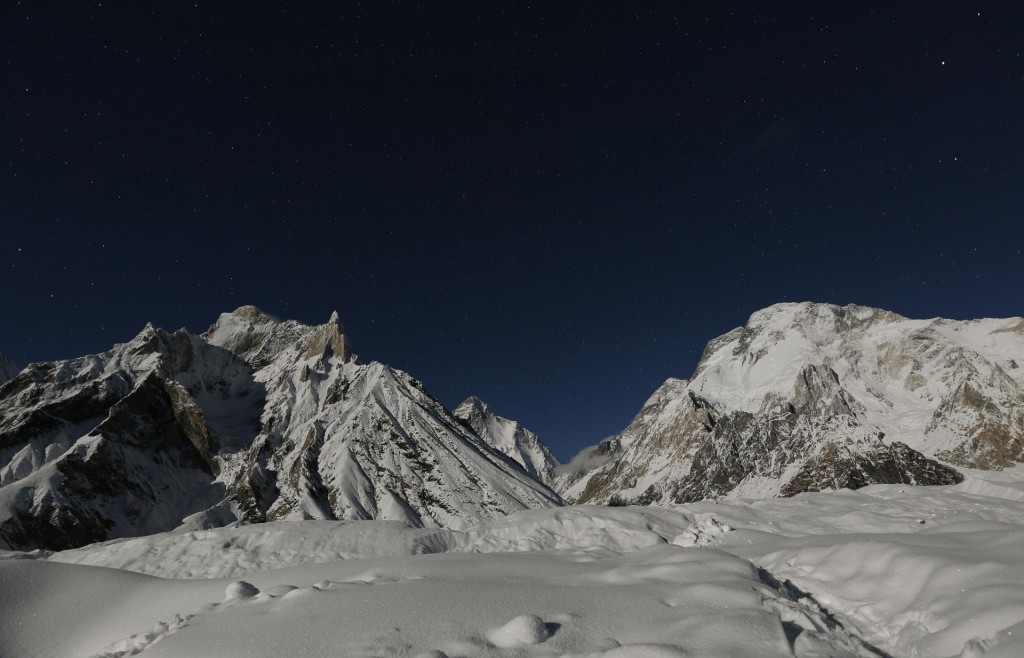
(239, 551)
(884, 570)
(809, 397)
(659, 601)
(930, 592)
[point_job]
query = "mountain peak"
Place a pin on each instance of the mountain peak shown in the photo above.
(253, 335)
(251, 313)
(790, 315)
(810, 396)
(330, 340)
(147, 337)
(473, 404)
(508, 437)
(257, 419)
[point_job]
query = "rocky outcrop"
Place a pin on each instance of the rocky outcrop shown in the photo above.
(138, 471)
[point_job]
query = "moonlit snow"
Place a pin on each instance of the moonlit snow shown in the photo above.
(885, 570)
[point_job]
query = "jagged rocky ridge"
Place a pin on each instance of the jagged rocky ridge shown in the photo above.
(808, 397)
(254, 420)
(510, 438)
(260, 420)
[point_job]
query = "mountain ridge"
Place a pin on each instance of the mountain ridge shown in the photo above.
(259, 419)
(808, 396)
(255, 419)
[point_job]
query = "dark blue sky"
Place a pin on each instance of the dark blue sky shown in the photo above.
(552, 207)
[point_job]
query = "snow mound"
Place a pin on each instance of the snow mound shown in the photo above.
(597, 529)
(522, 630)
(1007, 490)
(236, 551)
(660, 601)
(705, 531)
(240, 550)
(240, 590)
(912, 594)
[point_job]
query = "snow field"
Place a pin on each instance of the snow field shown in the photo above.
(886, 570)
(661, 600)
(684, 602)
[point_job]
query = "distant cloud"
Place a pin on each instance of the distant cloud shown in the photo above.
(585, 460)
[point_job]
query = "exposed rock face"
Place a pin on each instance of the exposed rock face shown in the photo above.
(114, 444)
(510, 438)
(256, 419)
(814, 396)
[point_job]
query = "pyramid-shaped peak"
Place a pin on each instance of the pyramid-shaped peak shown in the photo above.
(473, 404)
(148, 332)
(476, 402)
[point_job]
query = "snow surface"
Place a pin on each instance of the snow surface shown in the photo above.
(885, 570)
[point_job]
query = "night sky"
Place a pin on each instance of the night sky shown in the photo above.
(551, 206)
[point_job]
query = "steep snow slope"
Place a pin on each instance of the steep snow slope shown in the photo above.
(814, 396)
(340, 439)
(510, 438)
(257, 419)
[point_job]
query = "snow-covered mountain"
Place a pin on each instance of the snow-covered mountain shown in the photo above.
(807, 397)
(7, 369)
(510, 438)
(256, 419)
